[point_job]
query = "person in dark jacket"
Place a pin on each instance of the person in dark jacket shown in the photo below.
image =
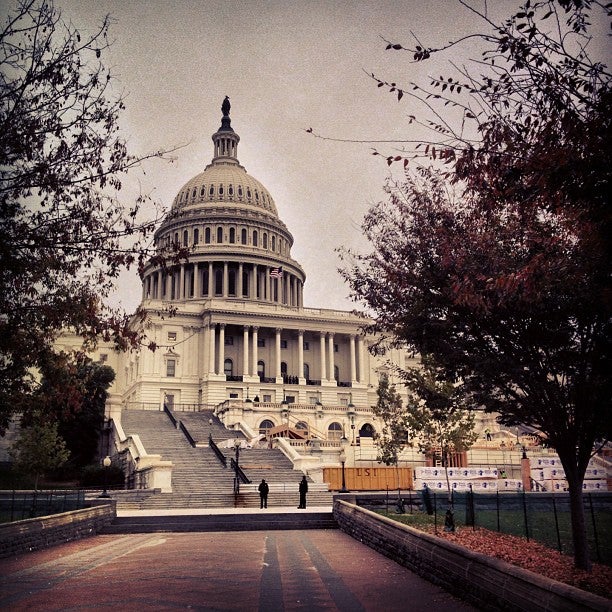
(263, 493)
(303, 491)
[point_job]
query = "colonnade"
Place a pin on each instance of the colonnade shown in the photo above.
(215, 335)
(224, 280)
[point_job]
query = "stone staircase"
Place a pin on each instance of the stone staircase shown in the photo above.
(199, 480)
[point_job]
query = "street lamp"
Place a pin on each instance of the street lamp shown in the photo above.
(344, 443)
(106, 463)
(236, 463)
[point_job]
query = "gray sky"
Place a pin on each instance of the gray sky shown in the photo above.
(286, 66)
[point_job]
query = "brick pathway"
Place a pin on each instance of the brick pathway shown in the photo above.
(260, 571)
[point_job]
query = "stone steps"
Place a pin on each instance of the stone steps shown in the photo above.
(221, 522)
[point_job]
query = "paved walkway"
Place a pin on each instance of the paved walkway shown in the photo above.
(264, 571)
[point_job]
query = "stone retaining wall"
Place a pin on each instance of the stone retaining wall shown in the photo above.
(38, 533)
(486, 582)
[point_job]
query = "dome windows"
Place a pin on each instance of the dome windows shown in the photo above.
(202, 191)
(232, 235)
(239, 191)
(231, 190)
(243, 235)
(248, 193)
(211, 191)
(221, 190)
(255, 238)
(219, 235)
(194, 193)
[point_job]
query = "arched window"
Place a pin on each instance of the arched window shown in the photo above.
(302, 425)
(265, 425)
(219, 235)
(176, 238)
(196, 236)
(283, 368)
(261, 369)
(306, 371)
(232, 235)
(255, 238)
(228, 367)
(194, 193)
(240, 190)
(202, 191)
(366, 431)
(264, 240)
(231, 190)
(220, 190)
(207, 235)
(334, 431)
(274, 243)
(243, 235)
(248, 193)
(211, 191)
(185, 238)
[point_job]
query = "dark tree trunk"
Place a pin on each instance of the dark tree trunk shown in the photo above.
(575, 478)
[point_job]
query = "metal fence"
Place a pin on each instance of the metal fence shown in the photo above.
(544, 517)
(20, 505)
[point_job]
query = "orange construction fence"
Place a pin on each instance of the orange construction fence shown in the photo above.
(369, 478)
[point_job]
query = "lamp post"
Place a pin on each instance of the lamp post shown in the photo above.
(106, 463)
(350, 413)
(236, 464)
(344, 443)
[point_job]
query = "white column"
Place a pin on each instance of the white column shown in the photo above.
(301, 353)
(211, 285)
(158, 295)
(181, 291)
(196, 281)
(211, 348)
(322, 346)
(239, 280)
(360, 362)
(254, 364)
(331, 355)
(352, 358)
(245, 351)
(278, 353)
(254, 282)
(222, 348)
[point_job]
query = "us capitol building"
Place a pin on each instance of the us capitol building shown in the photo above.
(240, 339)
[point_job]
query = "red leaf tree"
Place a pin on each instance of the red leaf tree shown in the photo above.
(497, 263)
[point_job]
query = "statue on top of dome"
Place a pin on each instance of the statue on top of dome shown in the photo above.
(225, 107)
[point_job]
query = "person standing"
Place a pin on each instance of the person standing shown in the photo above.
(303, 490)
(264, 489)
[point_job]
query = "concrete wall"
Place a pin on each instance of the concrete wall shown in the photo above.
(489, 583)
(38, 533)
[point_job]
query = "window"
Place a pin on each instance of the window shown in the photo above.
(283, 344)
(202, 191)
(306, 371)
(265, 425)
(261, 369)
(207, 235)
(218, 282)
(255, 238)
(306, 345)
(103, 358)
(264, 241)
(220, 190)
(261, 342)
(231, 190)
(196, 236)
(229, 340)
(243, 235)
(232, 282)
(232, 235)
(240, 190)
(301, 425)
(274, 243)
(283, 368)
(169, 401)
(185, 238)
(211, 191)
(219, 235)
(171, 368)
(334, 431)
(194, 192)
(267, 398)
(172, 336)
(335, 348)
(228, 367)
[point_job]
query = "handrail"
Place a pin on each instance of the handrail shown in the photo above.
(217, 450)
(187, 434)
(238, 470)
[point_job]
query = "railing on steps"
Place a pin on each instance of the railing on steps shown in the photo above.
(238, 471)
(222, 458)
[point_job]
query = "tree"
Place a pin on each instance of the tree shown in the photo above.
(65, 234)
(495, 259)
(392, 438)
(39, 449)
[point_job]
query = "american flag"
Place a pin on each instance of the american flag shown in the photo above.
(276, 272)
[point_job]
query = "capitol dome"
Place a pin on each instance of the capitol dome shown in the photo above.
(238, 246)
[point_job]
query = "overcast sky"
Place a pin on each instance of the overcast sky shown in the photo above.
(286, 66)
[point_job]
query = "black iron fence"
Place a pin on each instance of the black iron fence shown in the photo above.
(544, 517)
(20, 505)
